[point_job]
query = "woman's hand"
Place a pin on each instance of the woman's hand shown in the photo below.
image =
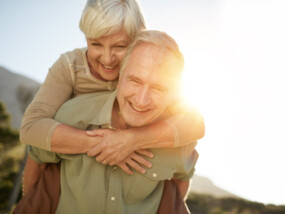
(115, 146)
(137, 162)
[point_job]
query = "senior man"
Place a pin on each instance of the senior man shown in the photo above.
(148, 85)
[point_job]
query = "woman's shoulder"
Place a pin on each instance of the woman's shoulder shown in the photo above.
(76, 56)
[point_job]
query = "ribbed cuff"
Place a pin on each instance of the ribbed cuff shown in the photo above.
(49, 137)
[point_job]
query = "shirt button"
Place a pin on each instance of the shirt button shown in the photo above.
(114, 167)
(154, 175)
(113, 198)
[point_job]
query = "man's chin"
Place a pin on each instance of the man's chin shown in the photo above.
(137, 123)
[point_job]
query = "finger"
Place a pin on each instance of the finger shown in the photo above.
(95, 132)
(112, 163)
(145, 152)
(103, 156)
(100, 158)
(135, 166)
(141, 160)
(94, 151)
(108, 160)
(125, 168)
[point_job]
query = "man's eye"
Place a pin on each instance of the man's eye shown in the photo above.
(134, 82)
(158, 90)
(96, 44)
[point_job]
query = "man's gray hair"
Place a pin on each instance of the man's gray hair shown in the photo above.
(159, 39)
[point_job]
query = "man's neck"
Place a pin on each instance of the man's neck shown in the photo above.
(117, 120)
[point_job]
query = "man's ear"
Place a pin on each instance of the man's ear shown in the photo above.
(119, 82)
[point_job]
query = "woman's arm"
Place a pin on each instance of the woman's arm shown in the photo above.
(38, 125)
(70, 140)
(178, 130)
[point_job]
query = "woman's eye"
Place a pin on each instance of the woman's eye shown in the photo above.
(96, 44)
(120, 46)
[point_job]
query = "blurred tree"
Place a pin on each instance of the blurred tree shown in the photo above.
(11, 154)
(8, 137)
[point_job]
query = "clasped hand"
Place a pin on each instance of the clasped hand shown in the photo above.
(117, 148)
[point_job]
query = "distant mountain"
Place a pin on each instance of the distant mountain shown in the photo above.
(207, 204)
(203, 185)
(16, 92)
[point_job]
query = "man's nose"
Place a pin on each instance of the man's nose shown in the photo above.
(143, 97)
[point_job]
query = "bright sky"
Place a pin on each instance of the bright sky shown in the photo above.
(234, 53)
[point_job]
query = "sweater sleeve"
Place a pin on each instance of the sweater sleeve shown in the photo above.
(186, 166)
(38, 124)
(42, 156)
(186, 122)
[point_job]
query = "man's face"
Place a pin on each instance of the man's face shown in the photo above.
(146, 88)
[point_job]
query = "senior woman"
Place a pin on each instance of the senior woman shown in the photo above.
(109, 26)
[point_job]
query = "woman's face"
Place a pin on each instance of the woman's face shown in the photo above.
(105, 54)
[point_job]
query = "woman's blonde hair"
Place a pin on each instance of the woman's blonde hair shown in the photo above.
(106, 17)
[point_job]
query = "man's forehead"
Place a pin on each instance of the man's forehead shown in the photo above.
(163, 59)
(147, 49)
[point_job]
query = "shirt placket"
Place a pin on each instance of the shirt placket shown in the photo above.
(114, 199)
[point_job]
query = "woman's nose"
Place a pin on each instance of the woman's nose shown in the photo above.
(107, 57)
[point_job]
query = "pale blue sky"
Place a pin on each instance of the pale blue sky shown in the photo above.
(234, 54)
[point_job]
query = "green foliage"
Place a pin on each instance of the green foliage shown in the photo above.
(3, 115)
(8, 137)
(9, 159)
(205, 204)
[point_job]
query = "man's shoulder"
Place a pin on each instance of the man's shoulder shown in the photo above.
(82, 108)
(87, 99)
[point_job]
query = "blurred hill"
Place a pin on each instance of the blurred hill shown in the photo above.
(203, 185)
(16, 92)
(206, 204)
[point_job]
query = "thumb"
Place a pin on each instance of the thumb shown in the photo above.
(95, 132)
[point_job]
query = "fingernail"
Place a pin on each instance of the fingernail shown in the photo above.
(149, 166)
(143, 171)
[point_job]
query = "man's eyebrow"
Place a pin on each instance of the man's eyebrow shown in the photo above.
(154, 85)
(158, 86)
(133, 77)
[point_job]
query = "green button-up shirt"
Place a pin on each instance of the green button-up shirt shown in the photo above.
(88, 186)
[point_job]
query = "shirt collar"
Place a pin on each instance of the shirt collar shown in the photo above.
(104, 115)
